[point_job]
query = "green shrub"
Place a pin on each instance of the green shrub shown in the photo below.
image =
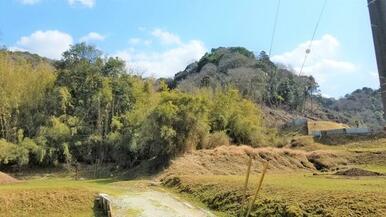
(11, 154)
(217, 139)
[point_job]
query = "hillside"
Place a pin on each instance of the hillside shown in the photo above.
(363, 106)
(284, 94)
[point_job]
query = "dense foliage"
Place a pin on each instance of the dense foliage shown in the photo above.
(86, 108)
(257, 79)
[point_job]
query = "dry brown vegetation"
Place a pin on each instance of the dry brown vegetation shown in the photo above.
(324, 125)
(357, 172)
(305, 178)
(6, 179)
(232, 160)
(287, 194)
(46, 202)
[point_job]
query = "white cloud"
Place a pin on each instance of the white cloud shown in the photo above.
(325, 48)
(165, 63)
(51, 43)
(165, 37)
(142, 28)
(147, 42)
(323, 63)
(134, 41)
(86, 3)
(139, 41)
(29, 2)
(92, 36)
(335, 76)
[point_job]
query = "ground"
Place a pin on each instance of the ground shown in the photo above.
(5, 179)
(290, 194)
(302, 180)
(63, 196)
(155, 202)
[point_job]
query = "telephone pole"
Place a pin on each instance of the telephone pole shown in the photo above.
(377, 9)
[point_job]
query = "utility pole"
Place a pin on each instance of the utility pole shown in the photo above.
(377, 10)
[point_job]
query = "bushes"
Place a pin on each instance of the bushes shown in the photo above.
(177, 124)
(11, 154)
(240, 118)
(217, 139)
(205, 119)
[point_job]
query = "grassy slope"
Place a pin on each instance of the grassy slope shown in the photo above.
(292, 194)
(301, 193)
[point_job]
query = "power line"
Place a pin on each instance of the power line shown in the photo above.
(274, 26)
(308, 51)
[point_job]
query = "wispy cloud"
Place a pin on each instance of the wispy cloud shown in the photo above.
(86, 3)
(92, 36)
(166, 37)
(29, 2)
(140, 41)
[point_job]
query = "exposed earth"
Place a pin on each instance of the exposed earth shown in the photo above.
(154, 203)
(6, 179)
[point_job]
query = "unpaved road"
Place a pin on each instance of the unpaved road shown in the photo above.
(154, 203)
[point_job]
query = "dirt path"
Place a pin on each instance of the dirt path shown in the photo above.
(155, 203)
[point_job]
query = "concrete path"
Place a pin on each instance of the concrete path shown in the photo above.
(155, 203)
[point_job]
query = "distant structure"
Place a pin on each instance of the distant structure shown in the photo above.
(341, 132)
(377, 9)
(322, 129)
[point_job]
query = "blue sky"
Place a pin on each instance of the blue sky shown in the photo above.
(160, 37)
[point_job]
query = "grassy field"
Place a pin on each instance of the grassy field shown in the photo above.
(286, 194)
(61, 196)
(298, 192)
(58, 195)
(52, 197)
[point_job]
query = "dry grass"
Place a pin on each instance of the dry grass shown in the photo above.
(231, 160)
(46, 202)
(216, 177)
(290, 194)
(217, 139)
(324, 125)
(6, 179)
(54, 197)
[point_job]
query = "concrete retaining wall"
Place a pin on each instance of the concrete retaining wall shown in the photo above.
(104, 204)
(341, 132)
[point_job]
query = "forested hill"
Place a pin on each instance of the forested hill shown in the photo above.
(86, 108)
(257, 78)
(278, 88)
(363, 107)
